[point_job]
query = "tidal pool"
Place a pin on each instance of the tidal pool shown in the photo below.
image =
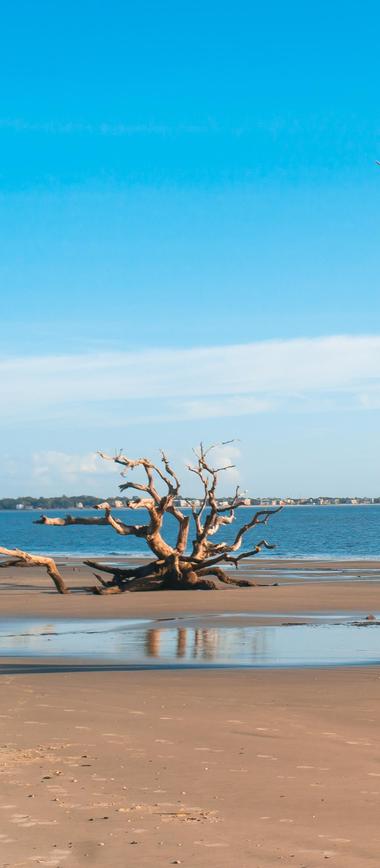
(199, 642)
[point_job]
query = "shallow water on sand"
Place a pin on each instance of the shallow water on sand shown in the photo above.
(274, 642)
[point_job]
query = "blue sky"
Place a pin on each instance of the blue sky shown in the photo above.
(182, 176)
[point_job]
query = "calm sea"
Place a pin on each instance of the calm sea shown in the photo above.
(347, 532)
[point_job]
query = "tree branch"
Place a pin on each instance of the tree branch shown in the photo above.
(267, 513)
(107, 519)
(230, 559)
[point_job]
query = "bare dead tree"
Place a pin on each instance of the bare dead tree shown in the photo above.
(187, 563)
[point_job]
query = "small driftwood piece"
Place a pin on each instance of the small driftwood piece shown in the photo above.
(21, 558)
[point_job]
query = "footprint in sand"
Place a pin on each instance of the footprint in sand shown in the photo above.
(211, 844)
(25, 821)
(54, 858)
(267, 756)
(4, 839)
(210, 749)
(238, 770)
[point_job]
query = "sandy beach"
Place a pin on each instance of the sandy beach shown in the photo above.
(107, 767)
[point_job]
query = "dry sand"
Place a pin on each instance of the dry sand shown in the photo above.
(198, 768)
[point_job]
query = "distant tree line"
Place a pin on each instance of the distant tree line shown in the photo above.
(83, 501)
(61, 502)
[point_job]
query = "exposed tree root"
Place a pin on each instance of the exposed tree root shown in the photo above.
(223, 577)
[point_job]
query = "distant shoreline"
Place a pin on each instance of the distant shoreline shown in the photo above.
(187, 508)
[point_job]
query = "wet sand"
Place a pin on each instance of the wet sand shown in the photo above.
(198, 768)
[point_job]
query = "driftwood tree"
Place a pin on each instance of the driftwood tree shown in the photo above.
(188, 563)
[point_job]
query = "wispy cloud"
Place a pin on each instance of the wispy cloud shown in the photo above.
(212, 408)
(57, 470)
(336, 371)
(369, 398)
(67, 464)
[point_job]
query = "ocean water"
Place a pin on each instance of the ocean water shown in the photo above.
(346, 532)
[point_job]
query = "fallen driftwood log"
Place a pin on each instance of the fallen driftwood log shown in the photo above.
(20, 558)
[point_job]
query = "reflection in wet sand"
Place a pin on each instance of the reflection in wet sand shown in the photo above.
(200, 644)
(181, 641)
(152, 643)
(206, 644)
